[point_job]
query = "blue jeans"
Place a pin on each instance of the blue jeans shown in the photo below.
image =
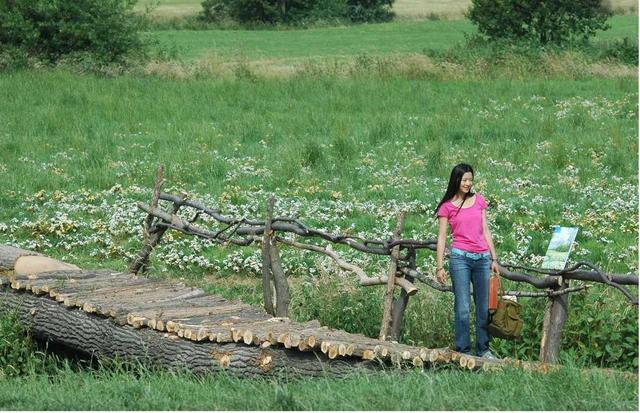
(464, 271)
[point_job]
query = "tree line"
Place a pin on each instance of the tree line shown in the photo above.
(110, 31)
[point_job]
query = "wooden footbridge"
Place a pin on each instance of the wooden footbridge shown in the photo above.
(109, 313)
(106, 313)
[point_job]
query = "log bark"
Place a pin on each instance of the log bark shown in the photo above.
(94, 336)
(393, 267)
(554, 319)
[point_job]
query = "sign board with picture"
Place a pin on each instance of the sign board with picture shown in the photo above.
(559, 247)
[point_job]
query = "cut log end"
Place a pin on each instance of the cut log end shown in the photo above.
(303, 346)
(265, 344)
(311, 341)
(471, 363)
(171, 326)
(342, 349)
(202, 334)
(236, 335)
(350, 349)
(333, 351)
(247, 337)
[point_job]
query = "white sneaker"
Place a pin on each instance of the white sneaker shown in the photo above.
(488, 355)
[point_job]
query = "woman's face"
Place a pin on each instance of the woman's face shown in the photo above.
(466, 183)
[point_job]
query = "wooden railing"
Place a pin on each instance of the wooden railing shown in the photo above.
(402, 270)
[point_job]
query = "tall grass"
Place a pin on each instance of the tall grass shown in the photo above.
(124, 389)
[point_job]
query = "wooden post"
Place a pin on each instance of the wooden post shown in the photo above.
(279, 281)
(400, 304)
(279, 277)
(152, 235)
(266, 260)
(555, 317)
(393, 267)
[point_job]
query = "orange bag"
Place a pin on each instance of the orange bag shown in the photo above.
(494, 291)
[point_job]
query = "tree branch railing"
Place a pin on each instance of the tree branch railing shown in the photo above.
(244, 232)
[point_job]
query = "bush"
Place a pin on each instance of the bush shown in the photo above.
(601, 330)
(361, 11)
(297, 11)
(539, 20)
(50, 30)
(624, 51)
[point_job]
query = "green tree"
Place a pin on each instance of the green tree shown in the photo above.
(545, 21)
(51, 29)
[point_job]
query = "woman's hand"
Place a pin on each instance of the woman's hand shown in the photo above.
(441, 275)
(494, 267)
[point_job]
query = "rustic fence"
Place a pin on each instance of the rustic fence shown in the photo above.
(402, 269)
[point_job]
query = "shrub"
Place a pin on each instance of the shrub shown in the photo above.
(542, 21)
(624, 51)
(50, 30)
(601, 330)
(370, 10)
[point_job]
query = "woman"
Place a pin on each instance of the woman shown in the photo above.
(472, 257)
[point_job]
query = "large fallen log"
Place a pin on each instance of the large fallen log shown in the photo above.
(91, 335)
(63, 319)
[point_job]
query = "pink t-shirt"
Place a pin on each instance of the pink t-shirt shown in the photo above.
(466, 226)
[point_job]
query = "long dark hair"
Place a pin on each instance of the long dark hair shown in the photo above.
(454, 185)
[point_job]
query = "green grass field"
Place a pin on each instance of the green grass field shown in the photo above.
(383, 38)
(344, 153)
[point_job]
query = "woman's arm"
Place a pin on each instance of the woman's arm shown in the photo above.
(443, 226)
(489, 238)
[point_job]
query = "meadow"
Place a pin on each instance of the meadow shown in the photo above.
(399, 37)
(343, 153)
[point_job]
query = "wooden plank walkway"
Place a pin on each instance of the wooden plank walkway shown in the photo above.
(171, 307)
